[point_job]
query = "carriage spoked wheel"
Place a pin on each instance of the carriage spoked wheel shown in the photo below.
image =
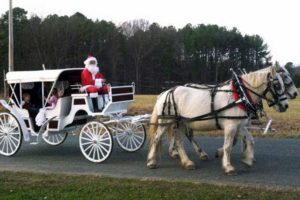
(10, 134)
(95, 141)
(130, 136)
(55, 139)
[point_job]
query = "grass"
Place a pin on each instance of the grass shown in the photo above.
(21, 185)
(286, 124)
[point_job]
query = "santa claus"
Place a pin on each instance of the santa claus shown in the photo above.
(92, 80)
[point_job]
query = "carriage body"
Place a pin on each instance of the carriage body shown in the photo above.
(74, 110)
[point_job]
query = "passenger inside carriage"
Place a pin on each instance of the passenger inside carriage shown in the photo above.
(53, 99)
(28, 105)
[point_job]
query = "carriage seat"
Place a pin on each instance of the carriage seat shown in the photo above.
(62, 108)
(22, 111)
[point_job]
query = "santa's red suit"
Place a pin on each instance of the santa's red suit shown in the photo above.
(90, 74)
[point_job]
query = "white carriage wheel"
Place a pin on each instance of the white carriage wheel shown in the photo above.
(55, 139)
(95, 141)
(10, 134)
(130, 136)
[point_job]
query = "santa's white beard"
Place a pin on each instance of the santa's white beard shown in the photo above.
(94, 69)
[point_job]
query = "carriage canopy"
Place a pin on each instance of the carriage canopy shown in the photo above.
(39, 75)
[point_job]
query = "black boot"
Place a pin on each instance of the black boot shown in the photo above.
(95, 105)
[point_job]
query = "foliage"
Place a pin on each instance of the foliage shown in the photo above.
(138, 51)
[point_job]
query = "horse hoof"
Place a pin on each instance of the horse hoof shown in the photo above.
(151, 166)
(189, 165)
(231, 173)
(204, 157)
(229, 170)
(247, 165)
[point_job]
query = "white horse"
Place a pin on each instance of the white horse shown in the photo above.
(189, 103)
(290, 90)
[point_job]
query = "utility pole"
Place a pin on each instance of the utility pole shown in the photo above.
(10, 38)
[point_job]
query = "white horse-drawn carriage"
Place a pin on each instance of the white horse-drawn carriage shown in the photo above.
(73, 110)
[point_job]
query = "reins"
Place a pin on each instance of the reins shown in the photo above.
(243, 98)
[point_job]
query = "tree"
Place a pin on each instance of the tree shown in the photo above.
(150, 55)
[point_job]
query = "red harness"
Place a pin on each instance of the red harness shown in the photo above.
(236, 97)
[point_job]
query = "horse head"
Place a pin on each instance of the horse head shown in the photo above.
(290, 88)
(271, 87)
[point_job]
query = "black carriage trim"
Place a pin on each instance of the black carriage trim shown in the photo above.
(239, 88)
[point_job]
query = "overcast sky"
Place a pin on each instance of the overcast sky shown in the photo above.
(277, 21)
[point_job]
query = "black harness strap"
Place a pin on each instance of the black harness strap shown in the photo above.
(170, 101)
(212, 106)
(212, 115)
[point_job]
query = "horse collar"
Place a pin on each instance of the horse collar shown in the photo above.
(240, 92)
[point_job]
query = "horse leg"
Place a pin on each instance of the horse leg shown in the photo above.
(248, 148)
(200, 152)
(190, 135)
(219, 152)
(172, 148)
(151, 158)
(229, 134)
(185, 161)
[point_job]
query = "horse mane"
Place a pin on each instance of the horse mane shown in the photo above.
(258, 78)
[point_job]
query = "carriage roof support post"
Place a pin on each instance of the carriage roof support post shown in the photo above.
(13, 94)
(10, 38)
(4, 84)
(21, 95)
(43, 94)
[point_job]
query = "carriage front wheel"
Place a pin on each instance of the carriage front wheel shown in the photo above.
(10, 134)
(95, 141)
(130, 136)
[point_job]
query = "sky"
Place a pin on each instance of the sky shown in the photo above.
(276, 21)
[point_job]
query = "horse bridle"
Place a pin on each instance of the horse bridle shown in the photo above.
(274, 87)
(288, 82)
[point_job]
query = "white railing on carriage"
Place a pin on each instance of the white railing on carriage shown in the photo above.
(82, 89)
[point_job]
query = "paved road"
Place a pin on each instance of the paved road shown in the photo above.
(277, 165)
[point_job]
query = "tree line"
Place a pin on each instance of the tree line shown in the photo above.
(152, 56)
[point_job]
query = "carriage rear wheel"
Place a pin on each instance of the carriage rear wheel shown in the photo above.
(55, 139)
(10, 134)
(130, 136)
(95, 141)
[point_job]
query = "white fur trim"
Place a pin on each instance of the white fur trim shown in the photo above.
(87, 61)
(93, 95)
(83, 88)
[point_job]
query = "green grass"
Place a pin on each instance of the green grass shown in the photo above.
(20, 185)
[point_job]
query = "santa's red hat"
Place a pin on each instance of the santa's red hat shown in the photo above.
(90, 58)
